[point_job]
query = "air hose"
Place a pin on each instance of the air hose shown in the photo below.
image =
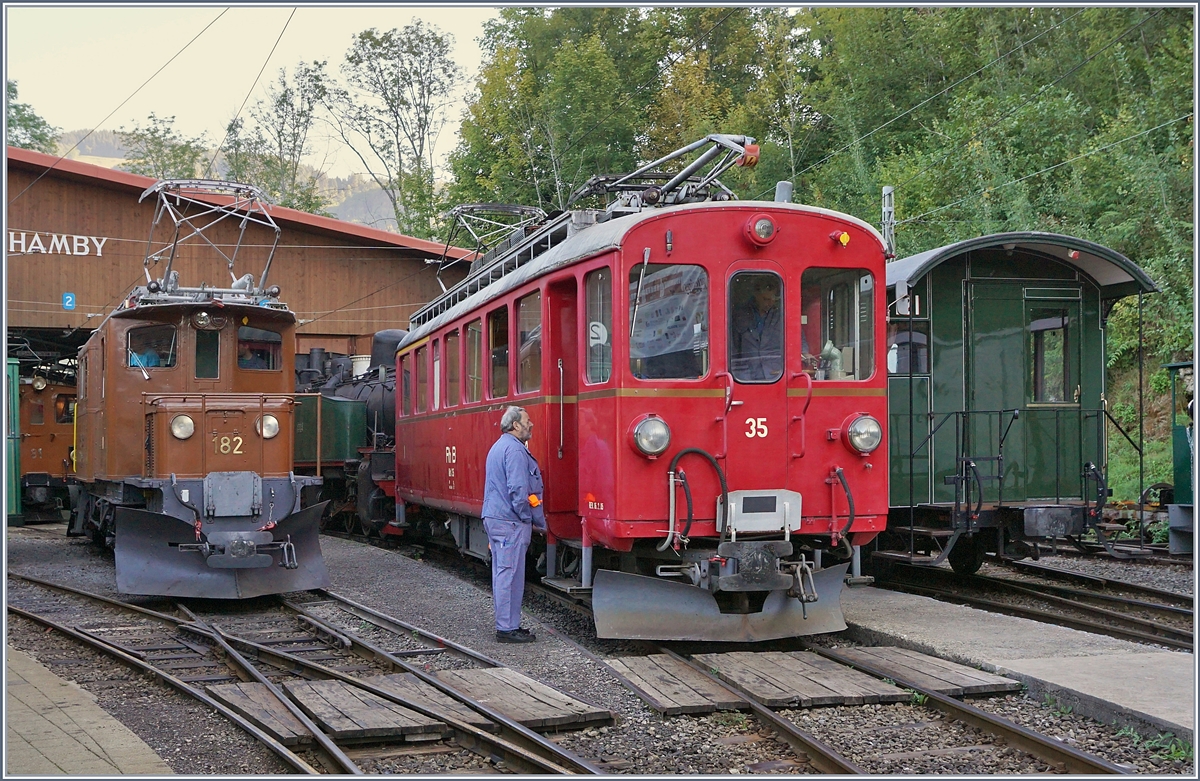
(841, 476)
(688, 491)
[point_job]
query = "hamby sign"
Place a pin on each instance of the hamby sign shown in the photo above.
(27, 243)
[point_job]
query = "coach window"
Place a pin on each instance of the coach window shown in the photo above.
(452, 368)
(422, 365)
(435, 397)
(64, 408)
(668, 321)
(498, 350)
(405, 381)
(259, 348)
(529, 341)
(1048, 356)
(597, 288)
(756, 327)
(837, 323)
(152, 347)
(474, 360)
(908, 351)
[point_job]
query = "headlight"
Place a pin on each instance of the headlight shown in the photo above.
(760, 229)
(267, 426)
(865, 434)
(652, 436)
(182, 427)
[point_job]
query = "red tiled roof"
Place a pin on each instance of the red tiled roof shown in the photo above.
(73, 169)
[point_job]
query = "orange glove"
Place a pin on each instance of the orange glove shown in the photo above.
(534, 501)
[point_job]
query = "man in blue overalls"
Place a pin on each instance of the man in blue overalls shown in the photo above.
(512, 509)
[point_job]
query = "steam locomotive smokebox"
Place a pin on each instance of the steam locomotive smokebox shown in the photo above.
(383, 346)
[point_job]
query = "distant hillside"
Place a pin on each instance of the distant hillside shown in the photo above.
(100, 144)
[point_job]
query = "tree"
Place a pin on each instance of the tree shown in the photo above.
(25, 128)
(269, 155)
(399, 86)
(158, 151)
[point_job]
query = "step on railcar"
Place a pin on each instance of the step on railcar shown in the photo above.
(998, 422)
(706, 383)
(185, 414)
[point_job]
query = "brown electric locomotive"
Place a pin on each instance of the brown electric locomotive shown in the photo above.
(185, 418)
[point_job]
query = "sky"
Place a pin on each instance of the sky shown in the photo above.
(76, 65)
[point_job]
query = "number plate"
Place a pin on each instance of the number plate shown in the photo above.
(227, 444)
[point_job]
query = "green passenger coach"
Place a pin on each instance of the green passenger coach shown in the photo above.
(998, 429)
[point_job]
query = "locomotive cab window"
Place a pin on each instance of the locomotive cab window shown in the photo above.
(756, 327)
(598, 291)
(152, 347)
(64, 408)
(498, 349)
(529, 343)
(668, 321)
(37, 412)
(837, 323)
(208, 354)
(1048, 356)
(258, 349)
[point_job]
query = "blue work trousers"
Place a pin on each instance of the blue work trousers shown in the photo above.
(508, 541)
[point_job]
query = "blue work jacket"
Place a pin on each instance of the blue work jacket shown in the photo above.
(511, 477)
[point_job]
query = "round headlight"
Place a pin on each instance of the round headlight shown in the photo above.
(865, 434)
(267, 426)
(764, 228)
(39, 383)
(652, 436)
(760, 230)
(182, 427)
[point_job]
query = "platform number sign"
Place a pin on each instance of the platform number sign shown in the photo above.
(68, 301)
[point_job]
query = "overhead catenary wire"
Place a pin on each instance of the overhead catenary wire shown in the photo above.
(118, 108)
(1045, 170)
(249, 92)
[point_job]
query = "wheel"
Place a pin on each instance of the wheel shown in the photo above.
(966, 557)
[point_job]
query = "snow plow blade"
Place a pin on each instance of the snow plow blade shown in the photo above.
(636, 607)
(150, 562)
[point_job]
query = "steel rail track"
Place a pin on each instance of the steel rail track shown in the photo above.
(1041, 746)
(1100, 582)
(522, 749)
(1047, 617)
(283, 752)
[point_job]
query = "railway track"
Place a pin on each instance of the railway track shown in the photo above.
(288, 646)
(1101, 609)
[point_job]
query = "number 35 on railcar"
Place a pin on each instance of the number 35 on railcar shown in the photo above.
(705, 382)
(184, 419)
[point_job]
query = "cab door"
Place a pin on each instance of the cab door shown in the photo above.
(755, 332)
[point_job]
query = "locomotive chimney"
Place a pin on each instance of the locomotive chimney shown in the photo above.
(316, 360)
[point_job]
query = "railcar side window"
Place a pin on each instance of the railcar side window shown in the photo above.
(1048, 356)
(908, 350)
(668, 321)
(598, 292)
(474, 360)
(259, 348)
(152, 347)
(452, 384)
(837, 323)
(421, 360)
(756, 327)
(529, 343)
(435, 398)
(498, 349)
(83, 376)
(406, 384)
(64, 408)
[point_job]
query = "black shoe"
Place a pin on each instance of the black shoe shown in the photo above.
(525, 633)
(515, 636)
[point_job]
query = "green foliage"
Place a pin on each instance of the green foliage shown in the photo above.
(1160, 382)
(158, 151)
(916, 698)
(25, 128)
(1169, 747)
(1123, 465)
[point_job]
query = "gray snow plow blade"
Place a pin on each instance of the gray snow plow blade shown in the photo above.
(636, 607)
(149, 561)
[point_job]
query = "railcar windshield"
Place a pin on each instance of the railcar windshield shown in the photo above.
(668, 313)
(837, 323)
(756, 327)
(259, 348)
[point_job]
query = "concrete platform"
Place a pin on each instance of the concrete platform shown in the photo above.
(55, 728)
(1110, 680)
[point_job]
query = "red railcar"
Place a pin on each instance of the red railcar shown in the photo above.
(701, 448)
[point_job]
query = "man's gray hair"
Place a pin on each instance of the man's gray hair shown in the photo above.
(510, 418)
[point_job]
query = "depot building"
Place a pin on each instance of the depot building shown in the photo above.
(77, 236)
